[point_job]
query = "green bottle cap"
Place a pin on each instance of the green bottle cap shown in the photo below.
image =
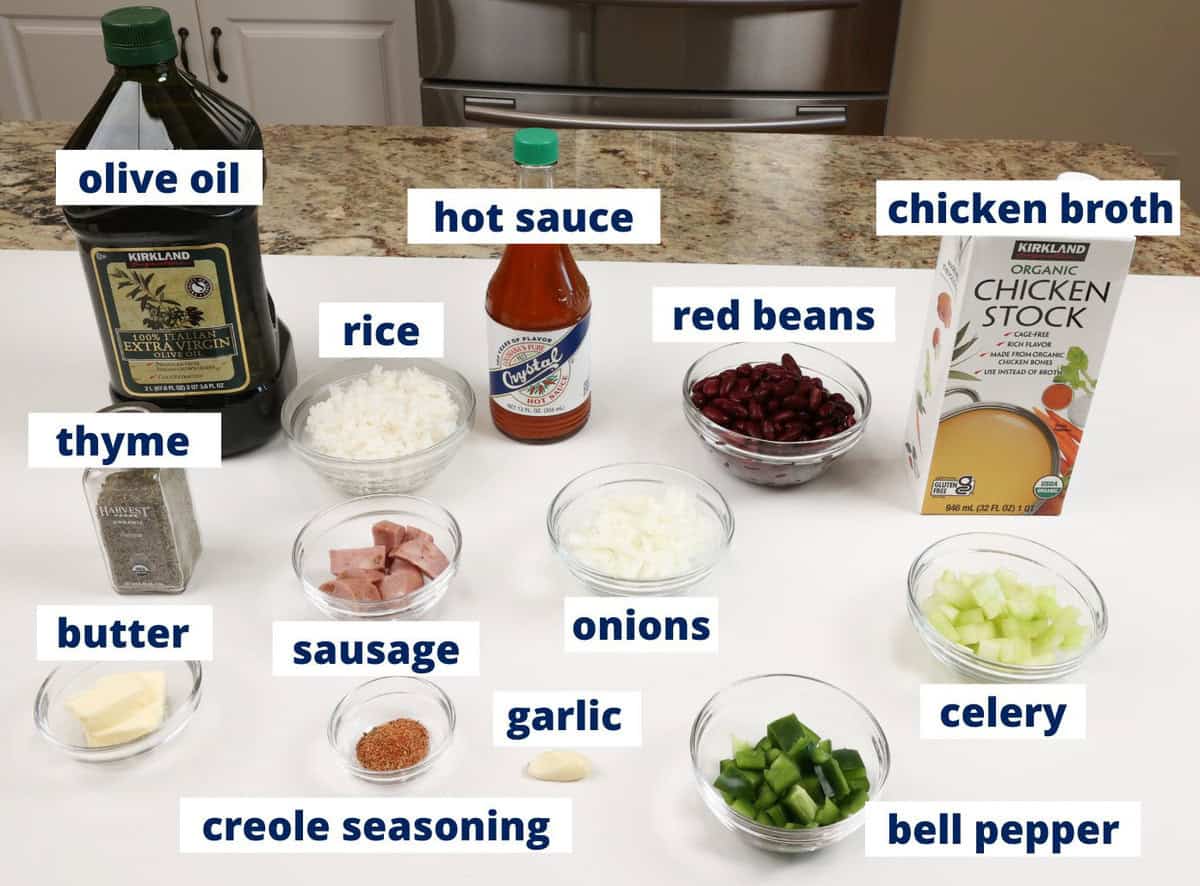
(535, 147)
(138, 35)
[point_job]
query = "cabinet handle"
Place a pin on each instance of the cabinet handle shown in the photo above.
(216, 35)
(183, 35)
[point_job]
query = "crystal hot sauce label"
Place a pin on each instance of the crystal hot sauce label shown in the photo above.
(172, 319)
(540, 373)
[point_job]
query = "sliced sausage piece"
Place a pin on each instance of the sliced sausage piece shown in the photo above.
(412, 532)
(422, 553)
(371, 575)
(358, 589)
(403, 579)
(357, 558)
(388, 533)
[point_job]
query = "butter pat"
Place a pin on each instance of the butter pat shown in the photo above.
(121, 707)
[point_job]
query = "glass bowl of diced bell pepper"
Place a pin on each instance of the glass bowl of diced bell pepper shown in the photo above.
(788, 762)
(1001, 608)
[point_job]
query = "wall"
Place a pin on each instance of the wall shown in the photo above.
(1123, 71)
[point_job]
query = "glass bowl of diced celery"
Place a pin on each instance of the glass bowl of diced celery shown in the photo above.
(788, 762)
(1001, 608)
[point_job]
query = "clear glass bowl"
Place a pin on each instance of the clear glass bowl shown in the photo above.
(63, 730)
(574, 499)
(765, 462)
(1032, 562)
(384, 699)
(348, 525)
(402, 473)
(745, 708)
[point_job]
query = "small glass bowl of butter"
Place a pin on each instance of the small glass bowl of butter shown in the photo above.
(102, 711)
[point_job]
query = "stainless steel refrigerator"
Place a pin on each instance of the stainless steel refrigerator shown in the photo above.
(740, 65)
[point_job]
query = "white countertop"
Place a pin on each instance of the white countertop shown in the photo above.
(831, 556)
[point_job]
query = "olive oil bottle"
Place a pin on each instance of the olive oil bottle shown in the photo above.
(184, 313)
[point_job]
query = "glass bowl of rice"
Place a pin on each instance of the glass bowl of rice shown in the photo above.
(369, 429)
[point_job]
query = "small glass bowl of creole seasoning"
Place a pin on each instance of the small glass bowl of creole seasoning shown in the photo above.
(392, 729)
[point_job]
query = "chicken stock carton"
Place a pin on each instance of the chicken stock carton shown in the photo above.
(1010, 361)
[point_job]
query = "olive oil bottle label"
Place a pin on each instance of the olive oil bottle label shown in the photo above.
(172, 319)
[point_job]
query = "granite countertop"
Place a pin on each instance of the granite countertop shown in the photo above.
(745, 198)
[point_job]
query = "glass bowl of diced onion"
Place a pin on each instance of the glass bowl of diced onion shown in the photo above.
(1001, 608)
(639, 529)
(420, 449)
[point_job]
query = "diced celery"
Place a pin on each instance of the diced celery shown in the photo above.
(972, 634)
(1010, 626)
(944, 626)
(972, 616)
(991, 649)
(987, 590)
(782, 774)
(1048, 642)
(1074, 637)
(1007, 580)
(1066, 617)
(800, 805)
(1022, 605)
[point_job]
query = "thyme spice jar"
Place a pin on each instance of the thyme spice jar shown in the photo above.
(145, 524)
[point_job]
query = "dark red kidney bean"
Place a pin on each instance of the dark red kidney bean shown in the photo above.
(837, 397)
(730, 407)
(698, 399)
(744, 370)
(825, 410)
(758, 372)
(754, 428)
(713, 414)
(785, 388)
(741, 390)
(711, 387)
(741, 426)
(771, 406)
(698, 386)
(795, 402)
(789, 363)
(762, 393)
(728, 380)
(756, 410)
(815, 398)
(851, 422)
(768, 430)
(783, 416)
(790, 436)
(824, 432)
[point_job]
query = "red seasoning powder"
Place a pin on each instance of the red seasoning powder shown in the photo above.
(396, 744)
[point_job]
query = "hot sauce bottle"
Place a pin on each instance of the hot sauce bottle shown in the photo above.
(538, 307)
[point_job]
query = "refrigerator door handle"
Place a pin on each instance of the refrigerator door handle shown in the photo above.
(504, 113)
(731, 4)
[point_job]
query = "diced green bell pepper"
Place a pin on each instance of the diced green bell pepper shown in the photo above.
(856, 801)
(777, 815)
(772, 753)
(799, 805)
(801, 753)
(766, 797)
(733, 781)
(812, 784)
(849, 760)
(782, 774)
(764, 819)
(764, 744)
(823, 752)
(748, 758)
(785, 731)
(744, 808)
(832, 778)
(828, 814)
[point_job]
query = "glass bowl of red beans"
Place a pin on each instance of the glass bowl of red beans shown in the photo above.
(775, 415)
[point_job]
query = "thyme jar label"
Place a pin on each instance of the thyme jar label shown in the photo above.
(172, 319)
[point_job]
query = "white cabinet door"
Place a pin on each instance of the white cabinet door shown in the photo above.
(52, 63)
(315, 61)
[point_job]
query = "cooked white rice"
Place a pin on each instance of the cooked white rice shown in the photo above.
(384, 414)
